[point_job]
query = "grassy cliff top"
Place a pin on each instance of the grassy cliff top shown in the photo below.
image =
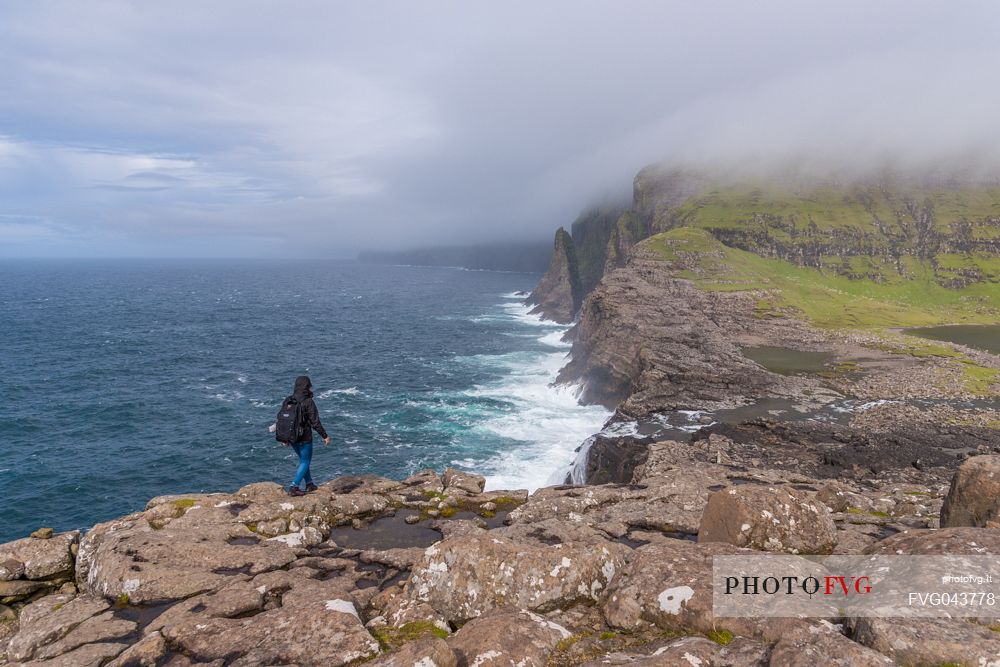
(824, 296)
(885, 209)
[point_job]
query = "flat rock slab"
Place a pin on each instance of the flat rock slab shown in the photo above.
(940, 542)
(821, 646)
(669, 585)
(694, 652)
(506, 638)
(307, 630)
(465, 576)
(49, 620)
(34, 558)
(431, 652)
(768, 518)
(91, 655)
(670, 500)
(913, 641)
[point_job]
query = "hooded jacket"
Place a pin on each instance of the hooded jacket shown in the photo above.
(310, 414)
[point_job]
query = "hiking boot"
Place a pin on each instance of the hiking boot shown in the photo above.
(310, 487)
(295, 491)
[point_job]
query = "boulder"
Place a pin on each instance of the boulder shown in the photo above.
(768, 518)
(669, 584)
(974, 496)
(312, 622)
(45, 558)
(21, 589)
(694, 652)
(95, 630)
(432, 652)
(507, 637)
(463, 481)
(465, 576)
(130, 560)
(822, 646)
(90, 655)
(261, 491)
(11, 569)
(147, 652)
(49, 620)
(423, 483)
(940, 542)
(668, 499)
(929, 641)
(242, 597)
(401, 559)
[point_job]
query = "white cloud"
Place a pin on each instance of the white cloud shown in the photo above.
(185, 124)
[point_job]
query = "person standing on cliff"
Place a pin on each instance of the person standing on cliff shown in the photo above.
(297, 420)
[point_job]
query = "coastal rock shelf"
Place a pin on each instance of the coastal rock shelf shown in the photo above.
(566, 575)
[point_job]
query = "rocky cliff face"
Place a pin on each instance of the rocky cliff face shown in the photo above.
(895, 231)
(647, 341)
(601, 237)
(590, 233)
(557, 296)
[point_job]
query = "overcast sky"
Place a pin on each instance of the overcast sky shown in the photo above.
(242, 128)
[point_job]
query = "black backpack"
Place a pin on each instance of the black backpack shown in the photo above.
(288, 424)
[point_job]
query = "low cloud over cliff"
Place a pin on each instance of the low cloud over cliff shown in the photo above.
(184, 129)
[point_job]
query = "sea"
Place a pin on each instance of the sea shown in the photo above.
(127, 379)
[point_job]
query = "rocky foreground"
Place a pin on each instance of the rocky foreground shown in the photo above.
(433, 571)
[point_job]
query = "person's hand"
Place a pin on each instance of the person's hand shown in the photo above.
(284, 444)
(326, 441)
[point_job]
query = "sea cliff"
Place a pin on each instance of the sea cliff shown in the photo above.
(766, 402)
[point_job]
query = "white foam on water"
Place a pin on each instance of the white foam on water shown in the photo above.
(850, 407)
(555, 339)
(874, 404)
(522, 314)
(621, 429)
(546, 422)
(350, 391)
(578, 471)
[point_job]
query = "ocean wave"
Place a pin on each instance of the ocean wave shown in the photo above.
(555, 339)
(523, 315)
(228, 396)
(349, 391)
(545, 423)
(621, 429)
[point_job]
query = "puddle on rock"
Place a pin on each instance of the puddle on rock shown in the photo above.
(787, 361)
(391, 532)
(985, 337)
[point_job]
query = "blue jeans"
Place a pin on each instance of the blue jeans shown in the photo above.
(305, 452)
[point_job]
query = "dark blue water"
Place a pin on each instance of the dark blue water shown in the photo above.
(124, 380)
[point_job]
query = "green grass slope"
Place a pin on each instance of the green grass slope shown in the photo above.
(883, 234)
(826, 297)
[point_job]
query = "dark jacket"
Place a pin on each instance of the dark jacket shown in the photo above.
(310, 414)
